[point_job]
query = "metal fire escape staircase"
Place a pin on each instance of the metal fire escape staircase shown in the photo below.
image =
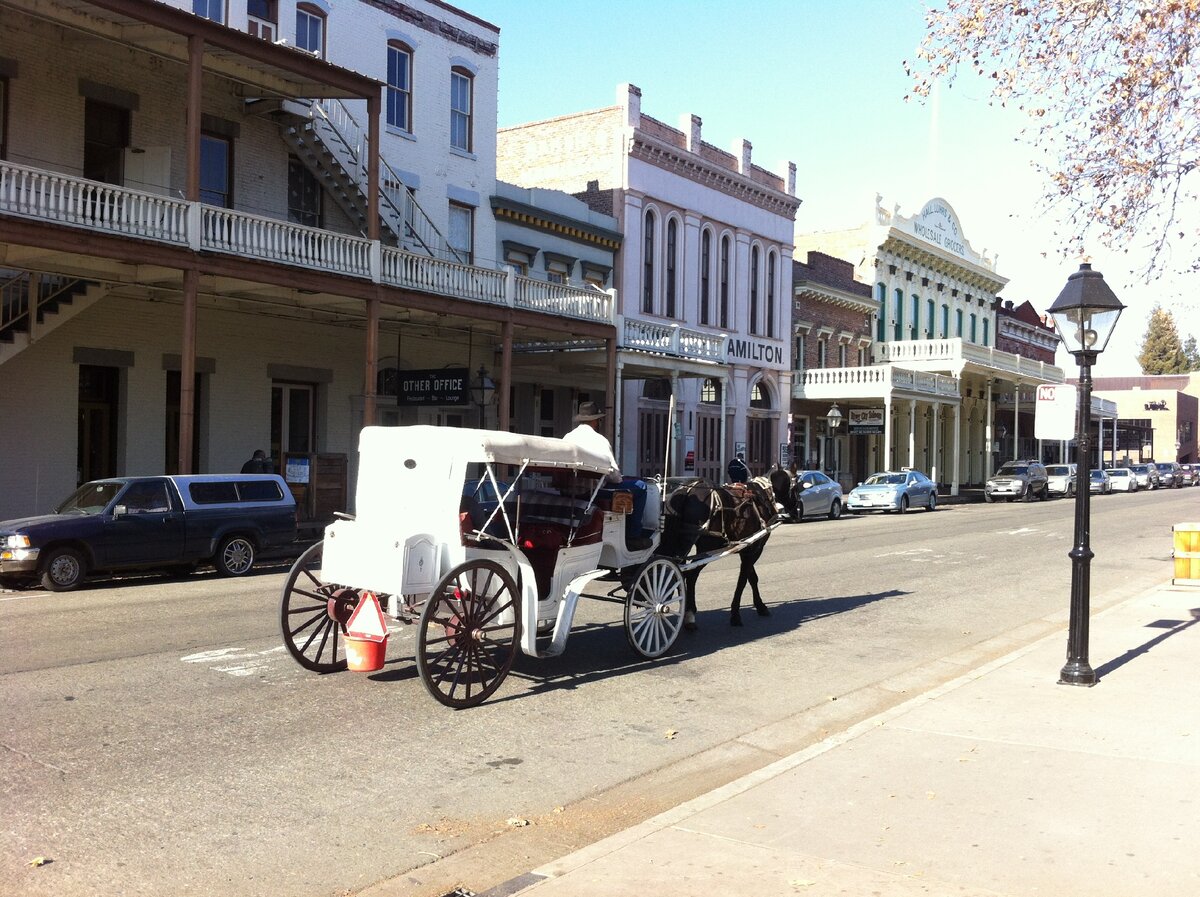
(32, 304)
(333, 146)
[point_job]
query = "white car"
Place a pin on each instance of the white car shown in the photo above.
(1060, 479)
(1122, 479)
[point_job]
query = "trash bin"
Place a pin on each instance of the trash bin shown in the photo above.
(1187, 554)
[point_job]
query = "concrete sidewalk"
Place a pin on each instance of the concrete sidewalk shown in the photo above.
(1001, 782)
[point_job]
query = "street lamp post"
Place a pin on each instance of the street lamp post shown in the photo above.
(833, 420)
(1085, 314)
(482, 390)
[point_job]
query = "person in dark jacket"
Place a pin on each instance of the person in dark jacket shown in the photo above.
(738, 471)
(260, 463)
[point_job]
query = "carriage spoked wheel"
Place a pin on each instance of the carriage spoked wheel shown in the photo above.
(654, 608)
(469, 634)
(314, 614)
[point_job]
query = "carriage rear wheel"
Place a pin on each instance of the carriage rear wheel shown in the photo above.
(654, 608)
(314, 614)
(470, 630)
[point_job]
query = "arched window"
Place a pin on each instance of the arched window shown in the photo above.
(771, 294)
(881, 318)
(672, 249)
(310, 29)
(705, 272)
(958, 321)
(914, 324)
(754, 289)
(710, 392)
(462, 101)
(945, 322)
(399, 85)
(648, 264)
(972, 328)
(724, 283)
(759, 397)
(898, 331)
(931, 320)
(986, 328)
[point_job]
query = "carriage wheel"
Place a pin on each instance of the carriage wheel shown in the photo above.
(314, 614)
(470, 630)
(654, 608)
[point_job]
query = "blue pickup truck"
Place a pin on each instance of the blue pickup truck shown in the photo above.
(164, 522)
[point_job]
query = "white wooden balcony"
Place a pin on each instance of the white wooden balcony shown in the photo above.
(671, 339)
(956, 355)
(69, 201)
(875, 382)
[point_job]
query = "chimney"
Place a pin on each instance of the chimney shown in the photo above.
(690, 125)
(791, 178)
(629, 98)
(741, 149)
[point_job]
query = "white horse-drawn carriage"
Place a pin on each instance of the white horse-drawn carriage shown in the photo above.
(486, 540)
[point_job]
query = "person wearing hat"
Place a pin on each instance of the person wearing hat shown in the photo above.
(589, 436)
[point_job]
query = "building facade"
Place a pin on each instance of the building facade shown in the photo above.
(939, 382)
(1158, 418)
(703, 280)
(220, 236)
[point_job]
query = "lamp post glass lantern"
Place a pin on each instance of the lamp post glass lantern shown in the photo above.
(482, 391)
(1085, 314)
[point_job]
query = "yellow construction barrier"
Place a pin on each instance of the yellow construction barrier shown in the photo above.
(1187, 554)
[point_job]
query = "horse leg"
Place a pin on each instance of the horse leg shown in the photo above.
(689, 601)
(735, 611)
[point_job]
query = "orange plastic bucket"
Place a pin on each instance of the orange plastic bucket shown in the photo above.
(365, 656)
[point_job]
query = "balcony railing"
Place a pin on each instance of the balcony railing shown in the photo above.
(876, 381)
(75, 202)
(671, 339)
(956, 351)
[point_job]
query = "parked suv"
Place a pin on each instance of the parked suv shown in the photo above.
(1061, 479)
(1025, 480)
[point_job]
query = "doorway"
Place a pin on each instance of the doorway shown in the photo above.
(293, 420)
(171, 462)
(96, 451)
(105, 138)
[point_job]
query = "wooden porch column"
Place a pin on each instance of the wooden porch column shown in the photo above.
(371, 365)
(195, 105)
(374, 105)
(505, 384)
(187, 371)
(611, 384)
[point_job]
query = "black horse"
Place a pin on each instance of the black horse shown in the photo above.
(707, 518)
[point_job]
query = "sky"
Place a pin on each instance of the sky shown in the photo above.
(821, 84)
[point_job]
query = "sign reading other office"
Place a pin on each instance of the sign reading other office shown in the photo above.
(436, 386)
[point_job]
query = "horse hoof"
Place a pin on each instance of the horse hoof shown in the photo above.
(735, 621)
(763, 610)
(690, 625)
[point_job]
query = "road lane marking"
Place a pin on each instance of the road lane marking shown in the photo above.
(908, 552)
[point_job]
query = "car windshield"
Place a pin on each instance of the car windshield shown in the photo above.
(1097, 474)
(1164, 466)
(885, 479)
(90, 498)
(1012, 470)
(1118, 473)
(1060, 471)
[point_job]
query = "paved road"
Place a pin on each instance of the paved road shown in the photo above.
(158, 740)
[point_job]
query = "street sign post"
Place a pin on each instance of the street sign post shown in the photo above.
(1055, 410)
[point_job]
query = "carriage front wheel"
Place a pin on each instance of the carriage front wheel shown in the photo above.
(314, 613)
(470, 630)
(654, 608)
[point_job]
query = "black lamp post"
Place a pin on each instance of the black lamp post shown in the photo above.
(833, 419)
(482, 390)
(1085, 314)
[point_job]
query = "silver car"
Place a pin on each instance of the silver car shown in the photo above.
(893, 490)
(1100, 482)
(815, 494)
(1146, 474)
(1060, 479)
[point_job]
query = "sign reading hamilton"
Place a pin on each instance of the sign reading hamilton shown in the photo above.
(754, 350)
(937, 224)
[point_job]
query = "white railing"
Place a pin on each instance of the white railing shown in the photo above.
(224, 230)
(875, 381)
(63, 199)
(561, 299)
(671, 339)
(956, 351)
(426, 274)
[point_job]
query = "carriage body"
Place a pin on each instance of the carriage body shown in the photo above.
(453, 522)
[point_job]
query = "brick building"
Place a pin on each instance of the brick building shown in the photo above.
(1022, 331)
(703, 279)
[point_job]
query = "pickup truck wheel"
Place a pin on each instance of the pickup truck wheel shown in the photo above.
(235, 557)
(63, 570)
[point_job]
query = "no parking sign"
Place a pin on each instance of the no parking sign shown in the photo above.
(1054, 416)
